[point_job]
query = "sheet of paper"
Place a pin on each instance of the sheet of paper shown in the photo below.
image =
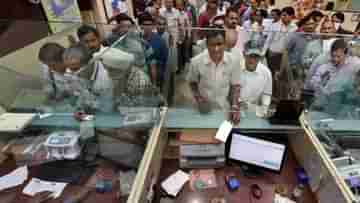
(15, 178)
(173, 184)
(280, 199)
(223, 132)
(36, 185)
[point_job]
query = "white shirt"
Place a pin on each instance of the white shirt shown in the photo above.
(45, 71)
(243, 37)
(122, 6)
(214, 81)
(278, 36)
(238, 57)
(256, 86)
(172, 18)
(100, 80)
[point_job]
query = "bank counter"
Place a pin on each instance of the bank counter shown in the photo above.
(90, 141)
(333, 126)
(136, 139)
(104, 142)
(162, 160)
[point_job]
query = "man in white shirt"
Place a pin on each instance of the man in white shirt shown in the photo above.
(275, 45)
(213, 76)
(255, 79)
(172, 16)
(277, 38)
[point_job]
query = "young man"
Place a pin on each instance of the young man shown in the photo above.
(329, 77)
(231, 19)
(172, 15)
(275, 15)
(157, 60)
(253, 5)
(206, 17)
(316, 52)
(90, 37)
(276, 41)
(213, 76)
(255, 79)
(125, 38)
(124, 25)
(275, 46)
(297, 44)
(338, 18)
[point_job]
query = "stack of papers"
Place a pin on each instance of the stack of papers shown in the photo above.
(173, 184)
(36, 186)
(15, 178)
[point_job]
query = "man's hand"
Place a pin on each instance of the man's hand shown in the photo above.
(203, 103)
(235, 114)
(200, 99)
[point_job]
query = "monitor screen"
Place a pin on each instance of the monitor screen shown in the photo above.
(257, 152)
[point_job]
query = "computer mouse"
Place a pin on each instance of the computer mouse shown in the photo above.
(256, 191)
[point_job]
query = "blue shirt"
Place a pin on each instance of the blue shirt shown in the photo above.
(159, 54)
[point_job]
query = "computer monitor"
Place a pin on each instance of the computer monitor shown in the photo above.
(256, 152)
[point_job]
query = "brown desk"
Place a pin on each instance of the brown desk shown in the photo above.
(242, 195)
(93, 196)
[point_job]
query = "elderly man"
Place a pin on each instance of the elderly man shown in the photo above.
(53, 71)
(255, 79)
(331, 76)
(213, 76)
(79, 64)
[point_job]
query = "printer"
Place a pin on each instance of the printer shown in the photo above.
(202, 155)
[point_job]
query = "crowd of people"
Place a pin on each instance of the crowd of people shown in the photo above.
(231, 51)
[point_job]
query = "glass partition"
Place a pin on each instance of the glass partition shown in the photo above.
(331, 105)
(101, 95)
(287, 64)
(111, 81)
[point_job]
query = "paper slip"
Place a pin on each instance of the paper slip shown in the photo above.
(36, 186)
(280, 199)
(224, 131)
(15, 178)
(173, 184)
